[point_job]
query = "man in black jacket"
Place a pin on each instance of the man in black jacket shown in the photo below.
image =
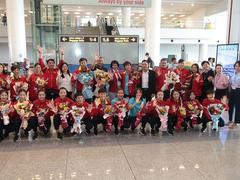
(147, 81)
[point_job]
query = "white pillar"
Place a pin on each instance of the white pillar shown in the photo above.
(152, 30)
(203, 52)
(16, 30)
(233, 31)
(126, 17)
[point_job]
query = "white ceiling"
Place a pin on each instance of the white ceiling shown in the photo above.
(171, 9)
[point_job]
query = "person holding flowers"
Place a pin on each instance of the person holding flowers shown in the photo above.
(100, 112)
(42, 112)
(5, 106)
(37, 81)
(80, 114)
(212, 108)
(23, 117)
(62, 108)
(176, 113)
(18, 83)
(120, 109)
(194, 109)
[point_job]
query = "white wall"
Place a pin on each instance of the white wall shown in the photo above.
(4, 53)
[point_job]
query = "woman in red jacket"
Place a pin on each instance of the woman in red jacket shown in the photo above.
(62, 108)
(115, 82)
(37, 81)
(130, 80)
(196, 81)
(18, 82)
(42, 112)
(175, 114)
(50, 73)
(4, 78)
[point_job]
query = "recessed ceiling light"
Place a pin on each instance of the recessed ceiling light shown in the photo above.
(174, 18)
(137, 17)
(172, 4)
(25, 15)
(183, 15)
(99, 13)
(79, 6)
(87, 16)
(165, 18)
(162, 15)
(30, 12)
(110, 14)
(141, 14)
(77, 16)
(171, 15)
(192, 5)
(76, 13)
(132, 14)
(66, 12)
(88, 13)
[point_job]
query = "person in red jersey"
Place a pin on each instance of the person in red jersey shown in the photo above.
(18, 82)
(210, 100)
(176, 114)
(183, 75)
(115, 82)
(196, 81)
(153, 116)
(161, 72)
(42, 112)
(50, 73)
(5, 123)
(62, 107)
(4, 78)
(37, 81)
(130, 79)
(23, 117)
(84, 106)
(120, 107)
(193, 109)
(99, 110)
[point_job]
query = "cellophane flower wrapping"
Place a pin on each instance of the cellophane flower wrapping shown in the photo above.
(4, 108)
(77, 114)
(194, 111)
(64, 111)
(85, 78)
(163, 115)
(170, 78)
(215, 112)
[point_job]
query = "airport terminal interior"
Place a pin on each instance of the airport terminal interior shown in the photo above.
(119, 89)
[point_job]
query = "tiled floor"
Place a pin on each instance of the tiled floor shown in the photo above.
(213, 156)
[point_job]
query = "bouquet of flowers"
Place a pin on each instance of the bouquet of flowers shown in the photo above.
(23, 109)
(121, 109)
(141, 113)
(20, 85)
(5, 108)
(170, 78)
(40, 82)
(181, 115)
(64, 111)
(41, 118)
(77, 113)
(85, 78)
(194, 110)
(215, 112)
(163, 115)
(108, 116)
(103, 76)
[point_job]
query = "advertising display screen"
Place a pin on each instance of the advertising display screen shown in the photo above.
(227, 55)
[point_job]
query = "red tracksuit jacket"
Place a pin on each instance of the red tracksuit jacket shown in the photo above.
(160, 77)
(37, 105)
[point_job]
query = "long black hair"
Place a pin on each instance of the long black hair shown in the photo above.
(4, 70)
(62, 74)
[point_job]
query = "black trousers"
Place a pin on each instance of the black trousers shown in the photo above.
(147, 93)
(32, 124)
(205, 120)
(1, 129)
(57, 123)
(219, 93)
(129, 122)
(234, 102)
(51, 93)
(87, 122)
(153, 121)
(172, 121)
(98, 120)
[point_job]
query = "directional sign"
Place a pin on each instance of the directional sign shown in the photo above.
(93, 39)
(125, 39)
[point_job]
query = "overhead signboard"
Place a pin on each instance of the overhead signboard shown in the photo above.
(127, 3)
(92, 39)
(126, 39)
